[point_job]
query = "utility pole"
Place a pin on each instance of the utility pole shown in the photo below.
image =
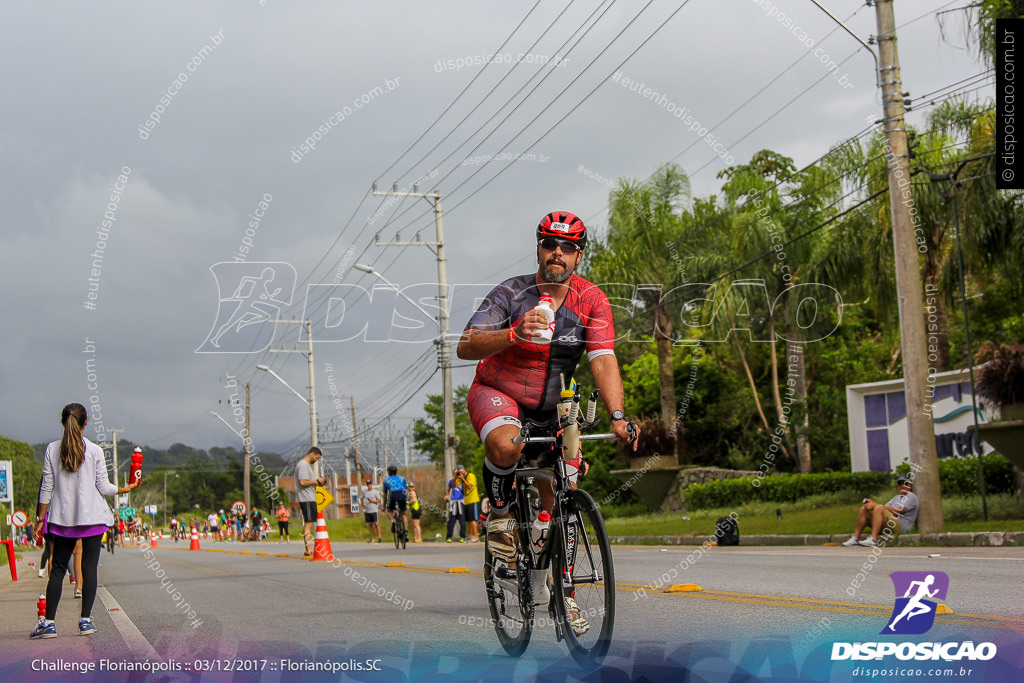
(313, 432)
(314, 436)
(247, 447)
(442, 285)
(355, 439)
(921, 432)
(113, 437)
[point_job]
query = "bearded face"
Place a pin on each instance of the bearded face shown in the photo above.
(556, 267)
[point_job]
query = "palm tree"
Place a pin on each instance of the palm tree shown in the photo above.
(771, 204)
(644, 222)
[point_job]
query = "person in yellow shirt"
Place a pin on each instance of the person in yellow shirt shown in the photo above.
(472, 502)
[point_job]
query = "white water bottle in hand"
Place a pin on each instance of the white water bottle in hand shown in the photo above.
(546, 308)
(539, 533)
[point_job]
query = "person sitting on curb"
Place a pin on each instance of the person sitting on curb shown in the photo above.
(902, 507)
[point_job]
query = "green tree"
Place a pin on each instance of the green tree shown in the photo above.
(638, 250)
(26, 471)
(761, 299)
(428, 433)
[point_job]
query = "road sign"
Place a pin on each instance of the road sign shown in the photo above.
(125, 513)
(6, 482)
(238, 507)
(323, 498)
(19, 518)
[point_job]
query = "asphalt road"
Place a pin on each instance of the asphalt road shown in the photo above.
(783, 605)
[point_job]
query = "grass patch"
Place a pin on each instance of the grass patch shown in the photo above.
(821, 514)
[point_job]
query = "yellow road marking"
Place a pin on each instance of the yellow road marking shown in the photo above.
(727, 596)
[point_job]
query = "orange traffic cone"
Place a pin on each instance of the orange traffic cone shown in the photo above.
(152, 540)
(195, 540)
(321, 541)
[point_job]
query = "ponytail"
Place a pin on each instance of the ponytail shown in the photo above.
(72, 446)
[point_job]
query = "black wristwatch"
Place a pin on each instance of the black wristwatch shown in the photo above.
(618, 415)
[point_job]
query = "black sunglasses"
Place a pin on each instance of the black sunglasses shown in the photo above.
(550, 243)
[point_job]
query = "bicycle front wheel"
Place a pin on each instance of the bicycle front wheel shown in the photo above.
(582, 571)
(511, 614)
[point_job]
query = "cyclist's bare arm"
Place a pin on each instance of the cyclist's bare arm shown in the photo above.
(480, 344)
(609, 382)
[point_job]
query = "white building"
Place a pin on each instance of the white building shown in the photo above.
(877, 416)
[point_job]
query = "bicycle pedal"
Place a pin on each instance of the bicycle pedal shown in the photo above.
(505, 573)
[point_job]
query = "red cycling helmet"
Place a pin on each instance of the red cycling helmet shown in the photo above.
(563, 225)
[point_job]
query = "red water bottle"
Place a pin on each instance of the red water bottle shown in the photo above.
(135, 476)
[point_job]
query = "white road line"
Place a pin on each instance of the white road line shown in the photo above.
(133, 637)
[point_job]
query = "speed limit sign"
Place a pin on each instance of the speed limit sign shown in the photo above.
(19, 518)
(238, 507)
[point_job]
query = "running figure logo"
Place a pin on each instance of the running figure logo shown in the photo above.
(914, 614)
(250, 297)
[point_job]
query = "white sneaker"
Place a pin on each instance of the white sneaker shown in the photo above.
(42, 573)
(851, 542)
(868, 542)
(576, 621)
(539, 580)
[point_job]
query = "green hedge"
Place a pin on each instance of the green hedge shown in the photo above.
(959, 476)
(782, 488)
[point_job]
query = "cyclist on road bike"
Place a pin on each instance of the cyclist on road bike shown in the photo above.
(394, 493)
(516, 377)
(174, 529)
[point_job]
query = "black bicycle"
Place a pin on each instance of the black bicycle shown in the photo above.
(399, 530)
(581, 580)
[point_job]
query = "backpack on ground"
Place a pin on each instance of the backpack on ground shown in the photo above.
(728, 531)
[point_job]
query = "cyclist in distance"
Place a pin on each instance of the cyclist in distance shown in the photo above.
(517, 378)
(394, 493)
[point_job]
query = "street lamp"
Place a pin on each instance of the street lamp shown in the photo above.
(166, 472)
(246, 446)
(369, 269)
(311, 402)
(218, 416)
(448, 415)
(280, 379)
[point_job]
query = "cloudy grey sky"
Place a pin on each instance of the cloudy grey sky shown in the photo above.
(364, 82)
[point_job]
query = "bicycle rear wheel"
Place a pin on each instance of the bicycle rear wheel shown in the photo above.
(395, 532)
(590, 577)
(511, 614)
(403, 535)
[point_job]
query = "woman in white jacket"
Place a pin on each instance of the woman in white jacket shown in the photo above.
(72, 490)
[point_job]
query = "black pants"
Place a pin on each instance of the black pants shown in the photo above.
(47, 550)
(456, 517)
(63, 550)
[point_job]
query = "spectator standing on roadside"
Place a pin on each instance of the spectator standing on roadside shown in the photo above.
(71, 498)
(283, 516)
(306, 483)
(415, 512)
(456, 509)
(471, 503)
(214, 524)
(256, 522)
(371, 510)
